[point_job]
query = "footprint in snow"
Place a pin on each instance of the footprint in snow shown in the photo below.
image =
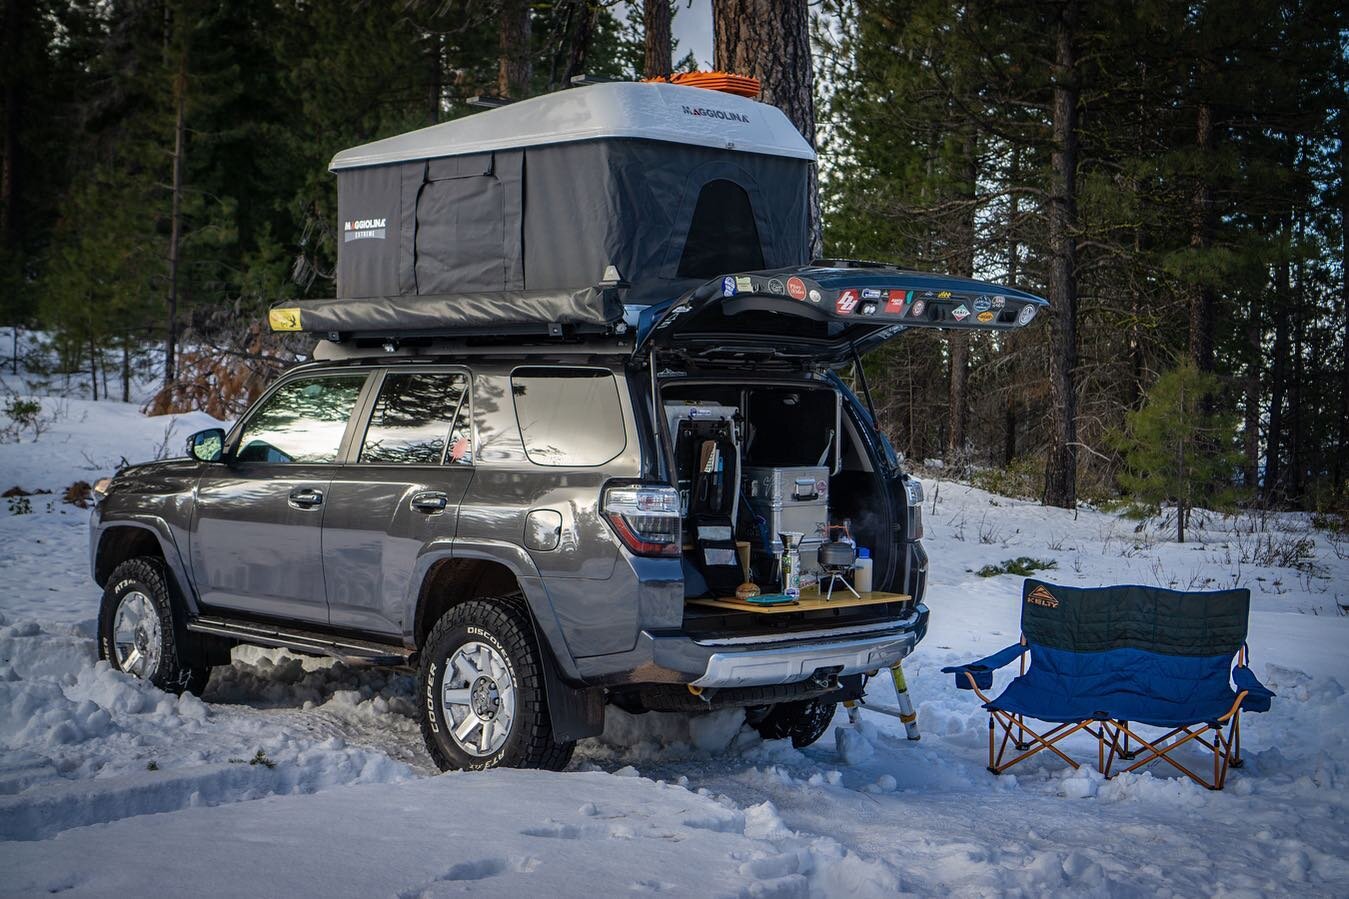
(554, 829)
(477, 869)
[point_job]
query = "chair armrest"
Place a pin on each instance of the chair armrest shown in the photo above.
(1258, 696)
(982, 670)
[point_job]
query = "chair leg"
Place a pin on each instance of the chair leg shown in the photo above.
(1045, 741)
(1217, 757)
(1219, 748)
(1236, 760)
(1126, 754)
(991, 766)
(1021, 744)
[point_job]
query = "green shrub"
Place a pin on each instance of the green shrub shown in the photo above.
(1022, 566)
(1023, 479)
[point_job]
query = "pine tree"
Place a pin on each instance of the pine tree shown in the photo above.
(1177, 449)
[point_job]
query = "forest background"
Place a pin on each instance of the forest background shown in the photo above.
(1170, 175)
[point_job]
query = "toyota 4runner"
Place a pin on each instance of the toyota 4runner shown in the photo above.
(547, 499)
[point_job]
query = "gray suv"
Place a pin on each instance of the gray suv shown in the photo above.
(538, 530)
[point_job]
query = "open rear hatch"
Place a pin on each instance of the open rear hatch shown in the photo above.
(822, 314)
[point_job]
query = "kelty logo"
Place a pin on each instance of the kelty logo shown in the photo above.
(1042, 597)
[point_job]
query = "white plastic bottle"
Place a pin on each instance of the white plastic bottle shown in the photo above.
(861, 570)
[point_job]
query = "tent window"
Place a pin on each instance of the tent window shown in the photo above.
(723, 237)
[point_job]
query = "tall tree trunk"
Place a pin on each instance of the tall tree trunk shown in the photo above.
(1340, 461)
(513, 48)
(580, 36)
(659, 44)
(958, 348)
(1203, 297)
(436, 52)
(176, 218)
(1251, 437)
(770, 40)
(10, 41)
(1299, 392)
(1278, 380)
(1010, 340)
(1061, 465)
(126, 368)
(93, 365)
(958, 342)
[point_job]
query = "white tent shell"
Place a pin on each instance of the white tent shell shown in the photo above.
(668, 113)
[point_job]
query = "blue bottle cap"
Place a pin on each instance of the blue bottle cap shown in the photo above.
(863, 553)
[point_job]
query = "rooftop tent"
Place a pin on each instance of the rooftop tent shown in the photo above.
(520, 210)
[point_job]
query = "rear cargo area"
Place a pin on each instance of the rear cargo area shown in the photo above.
(757, 463)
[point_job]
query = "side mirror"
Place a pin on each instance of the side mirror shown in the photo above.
(207, 445)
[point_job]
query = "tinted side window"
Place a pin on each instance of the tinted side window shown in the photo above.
(413, 417)
(568, 416)
(303, 421)
(722, 237)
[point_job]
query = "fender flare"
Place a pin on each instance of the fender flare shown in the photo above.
(574, 712)
(168, 548)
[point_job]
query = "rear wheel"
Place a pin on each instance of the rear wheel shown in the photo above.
(483, 699)
(804, 721)
(136, 632)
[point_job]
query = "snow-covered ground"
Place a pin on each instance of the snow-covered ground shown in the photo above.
(303, 776)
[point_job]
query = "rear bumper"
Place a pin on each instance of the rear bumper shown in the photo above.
(792, 663)
(675, 658)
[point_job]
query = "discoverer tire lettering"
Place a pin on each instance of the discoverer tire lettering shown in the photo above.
(502, 624)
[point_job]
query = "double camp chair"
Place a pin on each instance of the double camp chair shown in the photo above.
(1104, 660)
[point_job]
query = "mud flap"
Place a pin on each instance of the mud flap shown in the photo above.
(574, 714)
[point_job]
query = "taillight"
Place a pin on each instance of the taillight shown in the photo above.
(645, 517)
(914, 489)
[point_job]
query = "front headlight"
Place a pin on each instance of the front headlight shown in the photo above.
(100, 489)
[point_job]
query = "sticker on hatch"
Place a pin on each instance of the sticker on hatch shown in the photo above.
(846, 302)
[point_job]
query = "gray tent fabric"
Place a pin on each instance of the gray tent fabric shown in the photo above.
(554, 217)
(673, 186)
(630, 203)
(370, 231)
(479, 313)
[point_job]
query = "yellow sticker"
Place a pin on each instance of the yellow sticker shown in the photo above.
(944, 295)
(284, 319)
(985, 317)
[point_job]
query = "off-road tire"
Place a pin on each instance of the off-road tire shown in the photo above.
(502, 623)
(175, 672)
(805, 721)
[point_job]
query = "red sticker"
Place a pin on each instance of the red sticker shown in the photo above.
(796, 288)
(846, 302)
(894, 305)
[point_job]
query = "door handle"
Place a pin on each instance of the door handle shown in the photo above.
(429, 501)
(306, 497)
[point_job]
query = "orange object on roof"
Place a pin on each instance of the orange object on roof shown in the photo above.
(740, 85)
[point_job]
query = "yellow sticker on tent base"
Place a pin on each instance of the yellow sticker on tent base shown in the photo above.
(284, 319)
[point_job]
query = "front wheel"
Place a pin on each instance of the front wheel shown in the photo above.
(483, 698)
(136, 632)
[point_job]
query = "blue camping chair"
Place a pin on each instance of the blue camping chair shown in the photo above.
(1105, 659)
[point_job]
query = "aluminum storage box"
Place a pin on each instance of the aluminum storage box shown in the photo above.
(791, 499)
